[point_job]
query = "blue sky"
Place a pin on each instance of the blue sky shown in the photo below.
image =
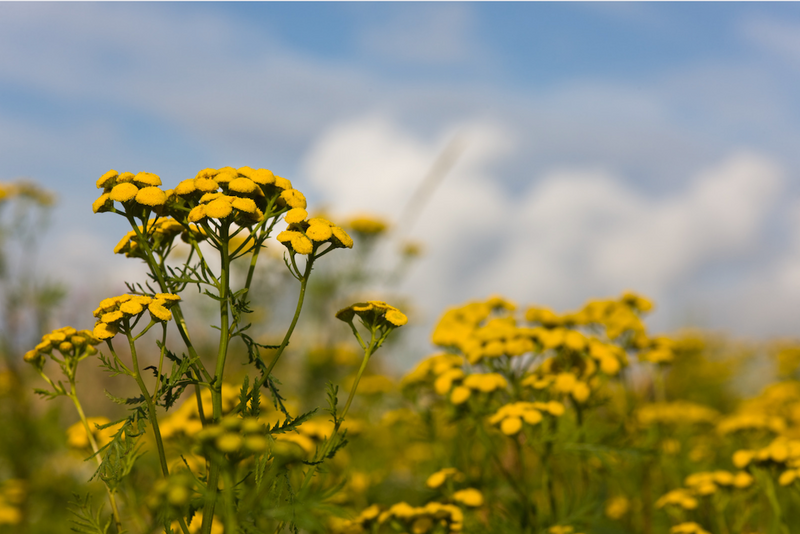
(608, 146)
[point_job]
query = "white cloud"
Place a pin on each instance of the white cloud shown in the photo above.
(585, 233)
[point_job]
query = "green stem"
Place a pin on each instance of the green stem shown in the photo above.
(112, 500)
(176, 308)
(216, 390)
(228, 496)
(151, 409)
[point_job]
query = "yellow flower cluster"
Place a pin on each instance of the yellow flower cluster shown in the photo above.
(12, 495)
(708, 482)
(457, 324)
(676, 413)
(304, 235)
(748, 420)
(616, 317)
(564, 383)
(703, 484)
(140, 190)
(112, 310)
(28, 190)
(433, 367)
(511, 416)
(373, 312)
(484, 383)
(242, 194)
(579, 361)
(160, 233)
(68, 341)
(433, 517)
(235, 436)
(782, 451)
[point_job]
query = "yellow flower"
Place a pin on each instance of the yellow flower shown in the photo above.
(372, 312)
(282, 183)
(345, 240)
(262, 176)
(396, 317)
(246, 205)
(151, 196)
(107, 179)
(129, 308)
(147, 178)
(102, 203)
(319, 232)
(219, 208)
(205, 185)
(123, 192)
(206, 173)
(198, 213)
(242, 185)
(293, 198)
(186, 187)
(158, 311)
(295, 215)
(105, 331)
(302, 245)
(226, 175)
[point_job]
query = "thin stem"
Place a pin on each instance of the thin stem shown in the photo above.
(216, 390)
(112, 500)
(176, 308)
(137, 375)
(160, 362)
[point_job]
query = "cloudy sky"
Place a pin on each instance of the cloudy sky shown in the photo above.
(603, 147)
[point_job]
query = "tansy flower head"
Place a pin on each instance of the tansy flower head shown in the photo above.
(151, 196)
(144, 179)
(373, 312)
(295, 215)
(123, 192)
(71, 343)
